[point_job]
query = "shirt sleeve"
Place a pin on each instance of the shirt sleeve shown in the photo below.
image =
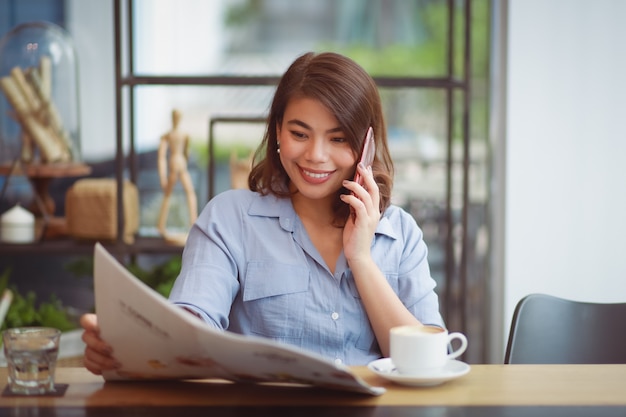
(208, 280)
(416, 287)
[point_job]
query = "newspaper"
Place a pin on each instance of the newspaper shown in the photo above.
(154, 339)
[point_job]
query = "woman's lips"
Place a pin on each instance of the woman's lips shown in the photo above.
(315, 177)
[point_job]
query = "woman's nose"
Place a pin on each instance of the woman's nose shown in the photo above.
(317, 150)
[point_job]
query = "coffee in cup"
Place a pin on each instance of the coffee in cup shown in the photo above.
(418, 349)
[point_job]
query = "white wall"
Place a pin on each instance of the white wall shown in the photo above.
(565, 186)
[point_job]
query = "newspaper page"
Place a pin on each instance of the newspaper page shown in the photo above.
(154, 339)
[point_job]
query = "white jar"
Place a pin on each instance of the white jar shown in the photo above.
(17, 225)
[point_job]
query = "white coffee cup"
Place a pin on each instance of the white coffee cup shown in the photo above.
(417, 349)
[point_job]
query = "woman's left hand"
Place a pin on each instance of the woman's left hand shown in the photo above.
(364, 204)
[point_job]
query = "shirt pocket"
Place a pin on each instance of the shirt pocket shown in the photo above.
(274, 296)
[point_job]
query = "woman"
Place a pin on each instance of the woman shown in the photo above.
(307, 256)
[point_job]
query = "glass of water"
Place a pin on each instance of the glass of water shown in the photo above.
(31, 354)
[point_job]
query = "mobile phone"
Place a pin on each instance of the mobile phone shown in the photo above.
(367, 153)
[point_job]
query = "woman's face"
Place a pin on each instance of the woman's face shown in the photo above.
(313, 150)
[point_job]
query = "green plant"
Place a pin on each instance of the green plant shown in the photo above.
(25, 311)
(160, 277)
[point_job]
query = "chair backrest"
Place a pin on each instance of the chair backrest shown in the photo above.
(552, 330)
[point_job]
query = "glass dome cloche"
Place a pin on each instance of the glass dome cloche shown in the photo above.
(39, 108)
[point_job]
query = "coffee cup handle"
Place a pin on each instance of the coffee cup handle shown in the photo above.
(461, 349)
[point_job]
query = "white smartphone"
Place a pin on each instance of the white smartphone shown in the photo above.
(367, 153)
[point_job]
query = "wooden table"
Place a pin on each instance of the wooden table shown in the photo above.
(488, 390)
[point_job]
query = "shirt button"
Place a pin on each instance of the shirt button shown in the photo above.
(338, 361)
(334, 316)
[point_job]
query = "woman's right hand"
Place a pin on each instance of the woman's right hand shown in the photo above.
(98, 354)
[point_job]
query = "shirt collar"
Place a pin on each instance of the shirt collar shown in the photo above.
(272, 206)
(385, 228)
(281, 208)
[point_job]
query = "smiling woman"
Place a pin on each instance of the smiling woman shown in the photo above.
(286, 252)
(225, 57)
(325, 103)
(317, 159)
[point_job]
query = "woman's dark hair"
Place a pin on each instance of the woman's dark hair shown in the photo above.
(351, 95)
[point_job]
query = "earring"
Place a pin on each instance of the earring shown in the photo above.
(277, 147)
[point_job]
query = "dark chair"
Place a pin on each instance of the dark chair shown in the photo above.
(552, 330)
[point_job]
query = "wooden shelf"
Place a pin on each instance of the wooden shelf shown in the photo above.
(56, 170)
(70, 247)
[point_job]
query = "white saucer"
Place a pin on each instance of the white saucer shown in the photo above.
(386, 369)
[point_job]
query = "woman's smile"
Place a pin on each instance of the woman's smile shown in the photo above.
(315, 176)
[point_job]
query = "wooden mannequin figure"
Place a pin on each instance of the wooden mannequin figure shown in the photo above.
(172, 170)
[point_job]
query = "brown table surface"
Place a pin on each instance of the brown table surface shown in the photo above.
(490, 386)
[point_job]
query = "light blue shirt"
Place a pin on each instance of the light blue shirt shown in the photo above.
(250, 267)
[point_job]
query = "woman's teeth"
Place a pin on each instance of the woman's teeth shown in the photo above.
(314, 175)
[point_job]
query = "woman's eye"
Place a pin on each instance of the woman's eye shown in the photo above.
(339, 140)
(298, 135)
